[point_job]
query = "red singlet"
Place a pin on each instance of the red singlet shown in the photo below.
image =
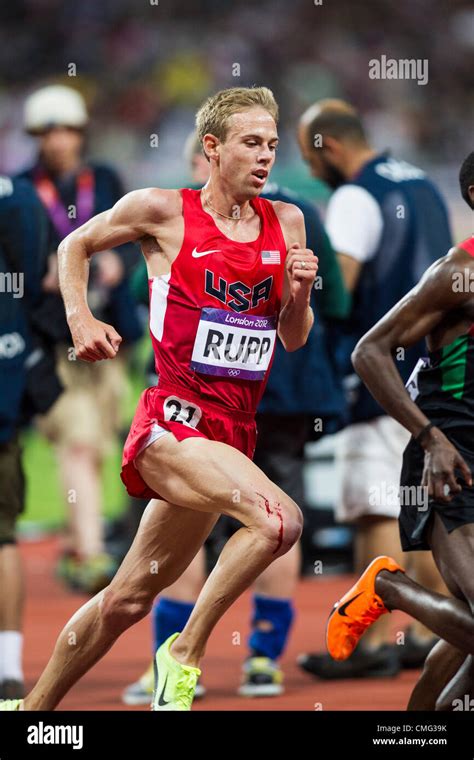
(213, 321)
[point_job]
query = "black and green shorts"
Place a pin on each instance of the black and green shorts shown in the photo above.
(417, 510)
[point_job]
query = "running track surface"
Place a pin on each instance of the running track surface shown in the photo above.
(49, 607)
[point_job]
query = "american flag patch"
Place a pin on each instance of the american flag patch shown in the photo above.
(270, 257)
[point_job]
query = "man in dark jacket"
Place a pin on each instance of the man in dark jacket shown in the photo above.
(27, 385)
(388, 222)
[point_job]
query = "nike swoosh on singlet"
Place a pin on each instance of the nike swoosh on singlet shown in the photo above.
(342, 610)
(197, 254)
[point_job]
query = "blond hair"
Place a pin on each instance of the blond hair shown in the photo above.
(212, 118)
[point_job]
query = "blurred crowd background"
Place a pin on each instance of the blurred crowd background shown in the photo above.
(144, 66)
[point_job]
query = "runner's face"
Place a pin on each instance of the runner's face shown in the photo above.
(61, 147)
(247, 155)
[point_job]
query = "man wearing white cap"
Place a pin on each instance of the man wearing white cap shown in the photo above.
(85, 420)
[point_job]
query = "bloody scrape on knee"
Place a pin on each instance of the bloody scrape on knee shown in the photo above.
(276, 511)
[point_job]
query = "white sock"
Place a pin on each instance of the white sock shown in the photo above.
(11, 645)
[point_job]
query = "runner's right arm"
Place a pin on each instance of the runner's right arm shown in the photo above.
(412, 319)
(135, 215)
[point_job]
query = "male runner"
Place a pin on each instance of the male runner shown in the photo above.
(221, 285)
(438, 506)
(284, 418)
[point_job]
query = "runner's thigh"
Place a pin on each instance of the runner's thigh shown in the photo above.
(210, 476)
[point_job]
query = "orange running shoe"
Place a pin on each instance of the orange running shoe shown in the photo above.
(357, 610)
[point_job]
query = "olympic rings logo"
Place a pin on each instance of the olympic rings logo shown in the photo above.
(233, 372)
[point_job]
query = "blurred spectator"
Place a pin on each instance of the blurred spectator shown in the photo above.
(143, 66)
(388, 223)
(28, 384)
(86, 419)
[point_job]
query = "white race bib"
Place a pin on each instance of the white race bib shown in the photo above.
(233, 345)
(177, 409)
(412, 382)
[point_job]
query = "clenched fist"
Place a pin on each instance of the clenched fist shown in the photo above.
(301, 267)
(94, 340)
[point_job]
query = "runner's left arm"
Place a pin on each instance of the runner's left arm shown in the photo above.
(296, 316)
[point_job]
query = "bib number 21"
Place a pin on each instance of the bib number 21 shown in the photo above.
(179, 410)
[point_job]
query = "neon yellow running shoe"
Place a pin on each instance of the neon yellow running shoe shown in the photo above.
(175, 684)
(141, 692)
(261, 677)
(10, 704)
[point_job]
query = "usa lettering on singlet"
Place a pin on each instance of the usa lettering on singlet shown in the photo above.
(214, 316)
